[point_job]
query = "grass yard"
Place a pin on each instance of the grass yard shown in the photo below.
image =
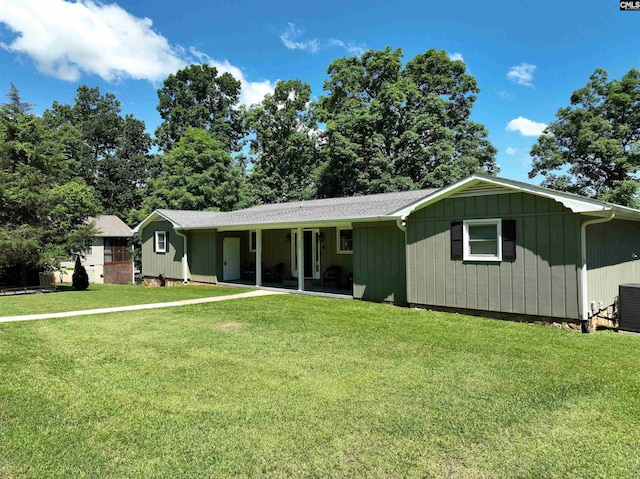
(293, 386)
(104, 296)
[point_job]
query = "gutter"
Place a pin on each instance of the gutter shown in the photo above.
(185, 262)
(583, 267)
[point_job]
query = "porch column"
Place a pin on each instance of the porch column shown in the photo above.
(258, 257)
(300, 248)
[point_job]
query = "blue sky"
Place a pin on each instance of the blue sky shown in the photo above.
(527, 56)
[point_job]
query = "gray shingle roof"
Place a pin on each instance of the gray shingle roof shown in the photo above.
(330, 209)
(111, 226)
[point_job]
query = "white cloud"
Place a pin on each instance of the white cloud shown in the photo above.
(522, 74)
(349, 47)
(511, 150)
(455, 56)
(505, 94)
(526, 127)
(70, 39)
(290, 39)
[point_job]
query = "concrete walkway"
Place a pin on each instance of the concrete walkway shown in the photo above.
(137, 307)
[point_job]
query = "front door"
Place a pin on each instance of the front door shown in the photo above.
(311, 251)
(231, 259)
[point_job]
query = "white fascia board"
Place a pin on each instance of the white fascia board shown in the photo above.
(574, 203)
(432, 198)
(153, 216)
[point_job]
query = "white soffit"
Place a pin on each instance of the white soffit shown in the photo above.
(477, 185)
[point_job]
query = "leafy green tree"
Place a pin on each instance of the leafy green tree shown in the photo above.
(284, 144)
(43, 217)
(390, 127)
(198, 97)
(593, 146)
(197, 174)
(107, 151)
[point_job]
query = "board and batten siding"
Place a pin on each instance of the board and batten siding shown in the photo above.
(169, 263)
(611, 247)
(202, 258)
(379, 262)
(543, 280)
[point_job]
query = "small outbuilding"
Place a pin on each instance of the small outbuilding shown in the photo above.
(108, 256)
(483, 243)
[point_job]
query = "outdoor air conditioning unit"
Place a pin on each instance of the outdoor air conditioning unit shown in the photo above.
(629, 307)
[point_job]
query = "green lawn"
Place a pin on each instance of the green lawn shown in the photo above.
(293, 386)
(104, 296)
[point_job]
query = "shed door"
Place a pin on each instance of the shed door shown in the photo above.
(231, 259)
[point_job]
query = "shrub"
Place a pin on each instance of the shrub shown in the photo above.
(80, 278)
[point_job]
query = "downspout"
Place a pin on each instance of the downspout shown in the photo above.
(185, 262)
(401, 223)
(583, 267)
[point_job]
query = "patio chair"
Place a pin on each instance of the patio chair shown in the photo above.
(275, 274)
(332, 275)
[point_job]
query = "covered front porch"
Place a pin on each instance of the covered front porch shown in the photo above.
(306, 259)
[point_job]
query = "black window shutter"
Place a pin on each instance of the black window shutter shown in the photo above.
(166, 241)
(456, 240)
(508, 240)
(155, 240)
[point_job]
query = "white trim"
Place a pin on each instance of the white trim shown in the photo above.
(338, 249)
(467, 256)
(156, 238)
(154, 216)
(575, 203)
(258, 250)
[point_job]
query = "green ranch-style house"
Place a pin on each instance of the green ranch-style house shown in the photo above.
(483, 243)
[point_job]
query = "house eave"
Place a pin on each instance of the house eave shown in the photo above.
(574, 203)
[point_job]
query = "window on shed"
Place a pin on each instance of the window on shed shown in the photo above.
(160, 242)
(345, 241)
(482, 240)
(117, 250)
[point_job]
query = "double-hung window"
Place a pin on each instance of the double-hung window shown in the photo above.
(345, 240)
(160, 242)
(482, 240)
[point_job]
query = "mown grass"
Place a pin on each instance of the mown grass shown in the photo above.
(291, 386)
(104, 296)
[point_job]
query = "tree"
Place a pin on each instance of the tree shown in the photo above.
(107, 151)
(198, 97)
(44, 217)
(390, 127)
(593, 146)
(197, 174)
(80, 278)
(284, 144)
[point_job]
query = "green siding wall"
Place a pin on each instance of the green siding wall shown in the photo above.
(202, 256)
(329, 255)
(610, 262)
(379, 266)
(276, 248)
(169, 263)
(245, 257)
(543, 280)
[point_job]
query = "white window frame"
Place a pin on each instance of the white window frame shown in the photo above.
(338, 230)
(467, 256)
(157, 241)
(252, 233)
